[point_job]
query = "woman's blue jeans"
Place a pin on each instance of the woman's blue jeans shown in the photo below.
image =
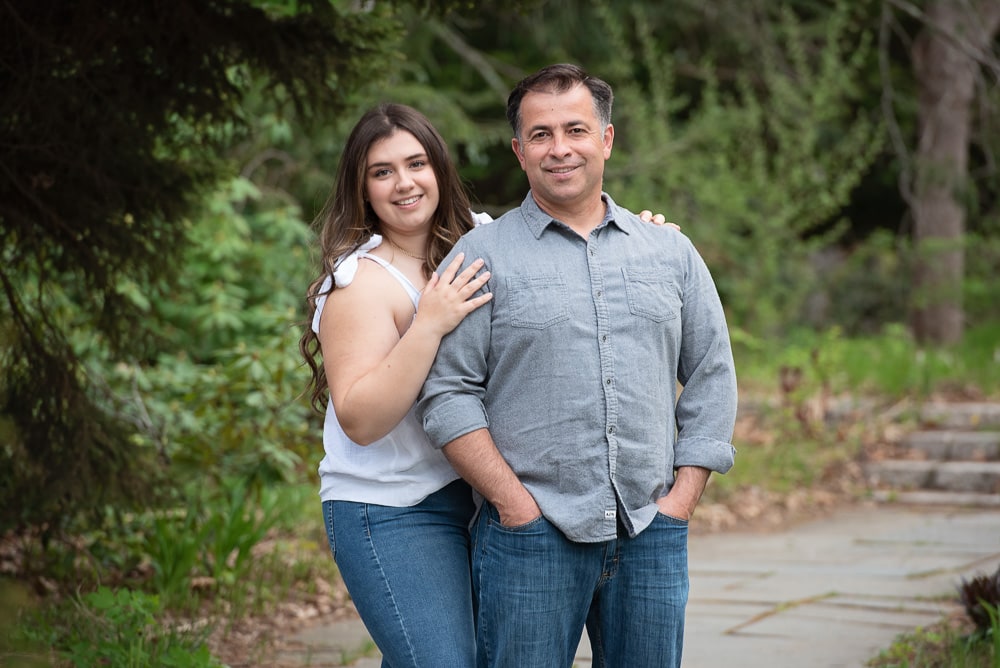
(537, 590)
(407, 571)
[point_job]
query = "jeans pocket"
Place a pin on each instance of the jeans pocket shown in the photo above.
(494, 521)
(676, 521)
(538, 301)
(527, 527)
(651, 295)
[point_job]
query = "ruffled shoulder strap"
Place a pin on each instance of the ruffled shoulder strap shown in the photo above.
(347, 264)
(481, 218)
(345, 271)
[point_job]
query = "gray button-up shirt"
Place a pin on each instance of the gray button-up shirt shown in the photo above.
(577, 363)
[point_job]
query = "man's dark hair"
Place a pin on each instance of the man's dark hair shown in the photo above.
(559, 79)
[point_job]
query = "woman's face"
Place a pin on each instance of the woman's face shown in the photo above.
(400, 183)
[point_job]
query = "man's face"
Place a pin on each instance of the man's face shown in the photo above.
(562, 148)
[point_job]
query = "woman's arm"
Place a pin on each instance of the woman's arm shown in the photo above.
(374, 371)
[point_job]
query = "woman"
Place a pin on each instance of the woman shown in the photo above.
(396, 513)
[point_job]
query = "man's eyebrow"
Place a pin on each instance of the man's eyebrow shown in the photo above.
(567, 124)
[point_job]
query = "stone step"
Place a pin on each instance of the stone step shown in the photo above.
(966, 415)
(904, 475)
(949, 444)
(924, 497)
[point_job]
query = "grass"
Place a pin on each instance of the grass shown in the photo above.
(891, 364)
(949, 644)
(209, 569)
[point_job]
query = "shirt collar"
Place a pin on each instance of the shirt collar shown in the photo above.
(537, 220)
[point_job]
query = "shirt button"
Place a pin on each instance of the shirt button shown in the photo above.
(600, 293)
(611, 429)
(607, 381)
(604, 338)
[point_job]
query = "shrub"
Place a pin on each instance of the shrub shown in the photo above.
(120, 628)
(981, 598)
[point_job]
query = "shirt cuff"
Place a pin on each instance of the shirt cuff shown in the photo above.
(707, 453)
(453, 418)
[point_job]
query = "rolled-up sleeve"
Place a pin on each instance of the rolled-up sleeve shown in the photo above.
(450, 404)
(706, 408)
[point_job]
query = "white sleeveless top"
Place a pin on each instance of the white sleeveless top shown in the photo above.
(400, 469)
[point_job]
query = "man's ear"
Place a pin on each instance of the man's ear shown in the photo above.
(515, 145)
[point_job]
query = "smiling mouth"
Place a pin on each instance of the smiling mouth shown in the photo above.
(408, 201)
(562, 170)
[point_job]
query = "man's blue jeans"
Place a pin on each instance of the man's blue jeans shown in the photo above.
(407, 570)
(537, 590)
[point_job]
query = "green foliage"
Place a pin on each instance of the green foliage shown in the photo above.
(91, 200)
(243, 263)
(43, 485)
(941, 646)
(173, 546)
(224, 398)
(227, 553)
(993, 632)
(117, 628)
(863, 288)
(756, 171)
(216, 411)
(982, 281)
(889, 364)
(17, 648)
(784, 386)
(790, 385)
(232, 530)
(212, 538)
(981, 598)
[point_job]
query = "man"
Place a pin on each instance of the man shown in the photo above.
(558, 401)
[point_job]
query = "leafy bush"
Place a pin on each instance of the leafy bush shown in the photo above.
(982, 281)
(222, 396)
(119, 628)
(981, 598)
(211, 539)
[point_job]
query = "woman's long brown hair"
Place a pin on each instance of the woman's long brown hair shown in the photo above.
(347, 220)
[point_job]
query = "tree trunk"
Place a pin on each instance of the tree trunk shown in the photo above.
(946, 58)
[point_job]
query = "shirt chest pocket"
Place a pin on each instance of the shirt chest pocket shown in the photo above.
(651, 295)
(538, 301)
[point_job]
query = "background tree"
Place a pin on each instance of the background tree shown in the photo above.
(113, 120)
(950, 55)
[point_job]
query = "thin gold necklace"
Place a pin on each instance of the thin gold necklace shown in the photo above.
(404, 251)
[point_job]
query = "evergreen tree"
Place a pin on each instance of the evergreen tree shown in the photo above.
(114, 117)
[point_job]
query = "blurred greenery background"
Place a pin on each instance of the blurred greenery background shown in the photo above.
(160, 165)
